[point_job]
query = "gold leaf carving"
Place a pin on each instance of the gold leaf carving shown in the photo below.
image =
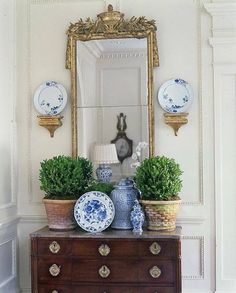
(111, 24)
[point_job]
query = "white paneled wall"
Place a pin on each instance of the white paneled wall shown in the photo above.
(223, 43)
(8, 170)
(205, 147)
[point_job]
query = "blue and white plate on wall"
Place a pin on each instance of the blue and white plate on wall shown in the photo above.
(94, 211)
(175, 95)
(50, 98)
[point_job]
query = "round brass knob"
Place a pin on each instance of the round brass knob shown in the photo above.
(104, 249)
(155, 248)
(155, 272)
(54, 247)
(54, 270)
(104, 271)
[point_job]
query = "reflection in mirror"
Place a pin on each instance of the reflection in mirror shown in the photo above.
(112, 79)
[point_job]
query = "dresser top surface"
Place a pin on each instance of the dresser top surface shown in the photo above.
(109, 233)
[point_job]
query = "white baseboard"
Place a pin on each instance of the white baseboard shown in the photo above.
(25, 290)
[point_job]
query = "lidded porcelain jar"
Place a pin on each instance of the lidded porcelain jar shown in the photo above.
(123, 197)
(137, 217)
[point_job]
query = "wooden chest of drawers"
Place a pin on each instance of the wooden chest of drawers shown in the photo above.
(108, 262)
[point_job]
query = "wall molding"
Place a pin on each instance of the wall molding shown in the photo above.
(200, 201)
(221, 71)
(4, 283)
(9, 222)
(32, 219)
(222, 41)
(124, 55)
(202, 252)
(41, 2)
(12, 277)
(221, 9)
(190, 220)
(8, 205)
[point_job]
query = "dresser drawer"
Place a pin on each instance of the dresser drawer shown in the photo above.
(54, 289)
(54, 269)
(119, 288)
(157, 271)
(122, 289)
(106, 289)
(151, 289)
(54, 246)
(104, 248)
(158, 248)
(105, 271)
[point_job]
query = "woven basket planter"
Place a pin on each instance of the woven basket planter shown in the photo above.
(161, 215)
(60, 214)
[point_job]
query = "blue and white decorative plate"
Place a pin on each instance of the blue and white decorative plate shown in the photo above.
(50, 98)
(94, 211)
(175, 95)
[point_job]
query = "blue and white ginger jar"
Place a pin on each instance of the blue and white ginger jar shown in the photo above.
(123, 197)
(137, 217)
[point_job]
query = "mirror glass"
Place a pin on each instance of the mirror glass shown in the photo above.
(112, 96)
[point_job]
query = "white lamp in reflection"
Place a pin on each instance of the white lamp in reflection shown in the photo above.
(104, 155)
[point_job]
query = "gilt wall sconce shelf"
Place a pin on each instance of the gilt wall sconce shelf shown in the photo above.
(175, 96)
(50, 99)
(176, 120)
(51, 123)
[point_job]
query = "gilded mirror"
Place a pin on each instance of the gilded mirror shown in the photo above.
(111, 62)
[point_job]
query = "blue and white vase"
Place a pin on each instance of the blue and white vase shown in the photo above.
(137, 217)
(123, 197)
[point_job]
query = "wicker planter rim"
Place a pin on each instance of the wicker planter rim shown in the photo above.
(58, 201)
(163, 202)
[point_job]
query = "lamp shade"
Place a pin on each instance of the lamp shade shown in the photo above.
(105, 154)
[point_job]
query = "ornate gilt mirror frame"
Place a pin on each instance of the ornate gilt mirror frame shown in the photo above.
(111, 25)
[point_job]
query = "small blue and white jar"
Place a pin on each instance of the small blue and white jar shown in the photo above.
(137, 217)
(123, 197)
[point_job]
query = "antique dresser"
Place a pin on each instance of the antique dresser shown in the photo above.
(113, 261)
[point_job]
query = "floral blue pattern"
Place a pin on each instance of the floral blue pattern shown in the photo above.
(94, 211)
(175, 96)
(137, 217)
(50, 98)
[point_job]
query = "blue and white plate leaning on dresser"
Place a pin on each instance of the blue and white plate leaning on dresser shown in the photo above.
(94, 211)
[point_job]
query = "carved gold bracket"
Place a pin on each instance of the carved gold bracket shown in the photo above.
(50, 122)
(176, 120)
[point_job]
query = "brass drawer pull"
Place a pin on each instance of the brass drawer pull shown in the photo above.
(104, 271)
(155, 248)
(155, 272)
(104, 249)
(54, 270)
(54, 247)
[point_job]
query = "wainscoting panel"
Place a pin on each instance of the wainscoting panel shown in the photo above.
(225, 113)
(8, 257)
